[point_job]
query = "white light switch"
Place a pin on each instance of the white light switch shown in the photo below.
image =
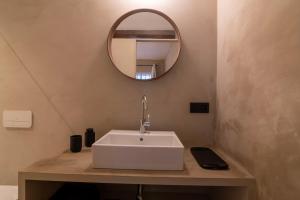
(17, 119)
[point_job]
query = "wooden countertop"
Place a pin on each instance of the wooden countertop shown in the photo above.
(76, 167)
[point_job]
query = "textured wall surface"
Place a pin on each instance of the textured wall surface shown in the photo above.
(258, 91)
(64, 75)
(49, 135)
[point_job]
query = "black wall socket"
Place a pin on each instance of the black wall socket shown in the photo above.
(197, 107)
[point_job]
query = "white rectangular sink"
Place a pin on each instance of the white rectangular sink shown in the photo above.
(154, 150)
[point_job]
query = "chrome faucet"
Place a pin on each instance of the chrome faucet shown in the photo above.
(144, 122)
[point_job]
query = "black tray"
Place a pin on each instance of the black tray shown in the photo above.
(208, 159)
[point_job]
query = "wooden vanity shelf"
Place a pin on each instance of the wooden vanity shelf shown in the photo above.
(44, 178)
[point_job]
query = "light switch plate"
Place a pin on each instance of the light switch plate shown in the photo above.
(17, 119)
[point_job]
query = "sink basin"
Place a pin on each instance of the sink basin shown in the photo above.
(154, 150)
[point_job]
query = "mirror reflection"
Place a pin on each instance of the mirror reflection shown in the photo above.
(144, 45)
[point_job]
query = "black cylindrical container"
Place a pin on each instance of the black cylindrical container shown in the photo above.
(75, 143)
(89, 137)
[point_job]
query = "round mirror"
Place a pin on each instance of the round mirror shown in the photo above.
(144, 44)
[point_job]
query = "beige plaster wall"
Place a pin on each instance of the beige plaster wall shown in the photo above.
(258, 91)
(49, 134)
(70, 82)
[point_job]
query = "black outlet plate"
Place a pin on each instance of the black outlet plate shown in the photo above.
(197, 107)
